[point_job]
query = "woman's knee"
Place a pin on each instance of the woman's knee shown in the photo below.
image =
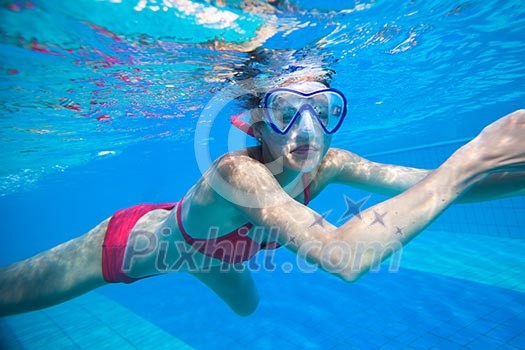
(246, 306)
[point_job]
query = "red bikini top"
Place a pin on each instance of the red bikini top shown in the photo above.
(234, 247)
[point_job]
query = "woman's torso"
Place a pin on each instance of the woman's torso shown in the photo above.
(204, 214)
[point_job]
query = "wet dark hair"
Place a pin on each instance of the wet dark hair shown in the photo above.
(269, 68)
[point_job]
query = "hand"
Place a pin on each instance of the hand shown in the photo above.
(501, 145)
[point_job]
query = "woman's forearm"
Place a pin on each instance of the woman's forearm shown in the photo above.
(496, 186)
(391, 180)
(498, 148)
(387, 226)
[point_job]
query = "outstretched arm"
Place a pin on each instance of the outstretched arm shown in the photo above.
(390, 180)
(362, 242)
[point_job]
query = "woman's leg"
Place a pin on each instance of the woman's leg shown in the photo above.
(234, 286)
(53, 276)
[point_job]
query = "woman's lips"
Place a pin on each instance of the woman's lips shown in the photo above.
(304, 149)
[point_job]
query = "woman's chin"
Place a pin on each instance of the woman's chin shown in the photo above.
(304, 161)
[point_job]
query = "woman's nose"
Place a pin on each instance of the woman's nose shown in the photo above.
(306, 121)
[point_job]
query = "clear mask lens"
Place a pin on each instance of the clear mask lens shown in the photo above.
(282, 107)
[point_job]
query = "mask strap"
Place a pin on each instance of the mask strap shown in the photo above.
(241, 125)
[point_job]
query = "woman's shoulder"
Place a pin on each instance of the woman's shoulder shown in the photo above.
(240, 160)
(228, 172)
(335, 161)
(339, 154)
(336, 158)
(237, 177)
(246, 154)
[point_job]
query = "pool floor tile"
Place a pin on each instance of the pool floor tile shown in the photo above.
(518, 341)
(447, 345)
(73, 326)
(464, 337)
(503, 333)
(484, 343)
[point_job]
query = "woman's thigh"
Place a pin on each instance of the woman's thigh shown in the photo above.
(234, 286)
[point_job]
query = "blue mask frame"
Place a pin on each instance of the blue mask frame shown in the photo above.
(303, 108)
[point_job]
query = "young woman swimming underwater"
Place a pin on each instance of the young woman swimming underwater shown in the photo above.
(242, 205)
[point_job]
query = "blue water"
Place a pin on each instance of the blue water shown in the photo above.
(100, 102)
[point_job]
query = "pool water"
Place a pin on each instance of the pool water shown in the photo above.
(100, 104)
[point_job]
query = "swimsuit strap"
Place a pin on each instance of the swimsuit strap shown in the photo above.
(232, 248)
(306, 193)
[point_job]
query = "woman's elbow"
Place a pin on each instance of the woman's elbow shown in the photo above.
(350, 277)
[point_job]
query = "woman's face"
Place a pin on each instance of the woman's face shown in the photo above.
(305, 144)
